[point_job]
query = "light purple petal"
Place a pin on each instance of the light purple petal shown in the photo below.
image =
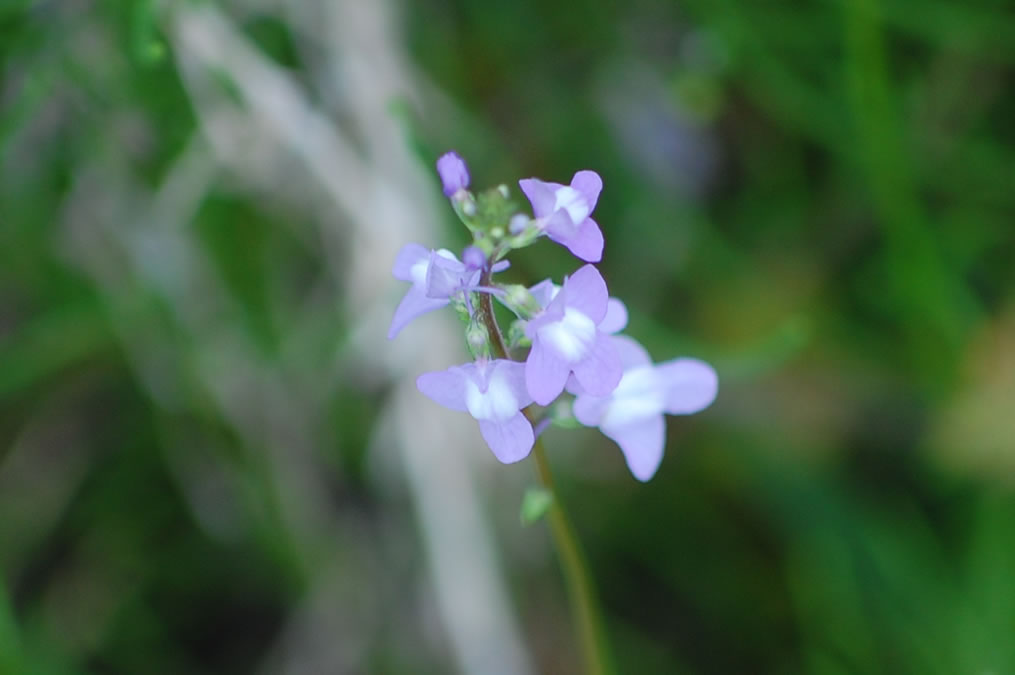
(541, 195)
(642, 444)
(445, 275)
(560, 228)
(412, 305)
(410, 255)
(587, 243)
(616, 317)
(589, 410)
(551, 312)
(572, 386)
(545, 374)
(544, 292)
(510, 441)
(691, 385)
(600, 371)
(586, 292)
(590, 185)
(446, 387)
(514, 374)
(453, 172)
(632, 354)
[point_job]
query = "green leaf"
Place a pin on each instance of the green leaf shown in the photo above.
(535, 504)
(9, 643)
(146, 46)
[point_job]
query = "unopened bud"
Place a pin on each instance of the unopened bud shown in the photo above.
(453, 172)
(503, 190)
(473, 257)
(478, 339)
(520, 301)
(518, 223)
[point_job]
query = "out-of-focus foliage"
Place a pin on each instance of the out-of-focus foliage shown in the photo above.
(818, 198)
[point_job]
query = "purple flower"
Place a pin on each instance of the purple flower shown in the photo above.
(616, 311)
(567, 338)
(436, 277)
(564, 212)
(453, 172)
(493, 392)
(632, 415)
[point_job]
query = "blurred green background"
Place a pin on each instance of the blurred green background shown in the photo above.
(212, 462)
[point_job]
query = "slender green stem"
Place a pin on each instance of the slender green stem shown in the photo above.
(581, 593)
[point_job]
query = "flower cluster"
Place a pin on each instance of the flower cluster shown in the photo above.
(571, 332)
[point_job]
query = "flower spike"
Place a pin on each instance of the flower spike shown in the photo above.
(571, 331)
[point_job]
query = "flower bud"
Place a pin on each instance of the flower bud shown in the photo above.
(466, 203)
(516, 336)
(473, 257)
(520, 301)
(453, 172)
(478, 339)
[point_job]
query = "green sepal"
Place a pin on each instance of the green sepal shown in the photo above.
(464, 204)
(461, 309)
(516, 336)
(477, 339)
(484, 244)
(526, 237)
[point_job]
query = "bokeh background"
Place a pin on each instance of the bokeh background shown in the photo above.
(211, 460)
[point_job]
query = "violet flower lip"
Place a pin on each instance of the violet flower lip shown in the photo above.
(564, 211)
(494, 393)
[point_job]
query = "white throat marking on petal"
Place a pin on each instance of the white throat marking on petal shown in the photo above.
(497, 403)
(572, 337)
(418, 272)
(421, 267)
(572, 200)
(639, 395)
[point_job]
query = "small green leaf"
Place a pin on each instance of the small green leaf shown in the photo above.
(535, 504)
(147, 48)
(152, 53)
